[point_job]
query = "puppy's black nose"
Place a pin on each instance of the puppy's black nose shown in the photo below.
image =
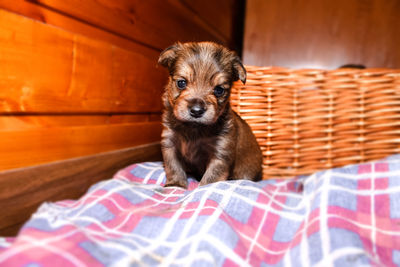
(197, 108)
(197, 111)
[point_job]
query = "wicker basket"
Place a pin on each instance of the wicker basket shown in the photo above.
(308, 120)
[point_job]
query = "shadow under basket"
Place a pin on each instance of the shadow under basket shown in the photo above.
(309, 120)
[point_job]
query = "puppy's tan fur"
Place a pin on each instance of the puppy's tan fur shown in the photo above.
(217, 144)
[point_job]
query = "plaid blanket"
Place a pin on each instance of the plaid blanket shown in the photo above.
(342, 217)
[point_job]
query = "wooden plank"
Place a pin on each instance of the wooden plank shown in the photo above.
(23, 190)
(24, 122)
(154, 23)
(228, 23)
(35, 146)
(210, 13)
(49, 70)
(322, 34)
(48, 16)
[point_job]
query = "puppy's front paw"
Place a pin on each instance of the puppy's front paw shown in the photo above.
(177, 182)
(203, 182)
(217, 171)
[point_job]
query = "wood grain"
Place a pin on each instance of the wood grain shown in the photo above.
(211, 13)
(225, 16)
(34, 146)
(49, 70)
(24, 122)
(23, 190)
(59, 20)
(154, 23)
(322, 34)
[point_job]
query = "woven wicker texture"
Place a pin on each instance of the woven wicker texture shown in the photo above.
(308, 120)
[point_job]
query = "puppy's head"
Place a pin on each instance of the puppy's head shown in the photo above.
(201, 76)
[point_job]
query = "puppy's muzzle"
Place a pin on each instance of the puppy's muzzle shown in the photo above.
(196, 107)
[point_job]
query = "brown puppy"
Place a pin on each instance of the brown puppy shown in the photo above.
(202, 135)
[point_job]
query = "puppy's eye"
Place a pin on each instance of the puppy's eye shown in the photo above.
(219, 91)
(181, 84)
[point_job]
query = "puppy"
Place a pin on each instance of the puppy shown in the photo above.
(202, 136)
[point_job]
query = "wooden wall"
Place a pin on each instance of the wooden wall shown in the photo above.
(81, 77)
(322, 33)
(78, 78)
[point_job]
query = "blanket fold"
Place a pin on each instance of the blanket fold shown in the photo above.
(348, 216)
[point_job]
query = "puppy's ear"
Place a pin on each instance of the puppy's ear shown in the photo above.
(168, 56)
(239, 70)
